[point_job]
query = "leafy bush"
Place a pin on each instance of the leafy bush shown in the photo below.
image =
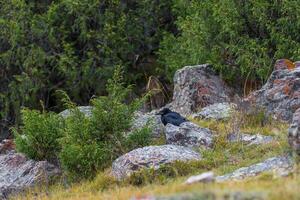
(92, 143)
(138, 138)
(242, 39)
(38, 137)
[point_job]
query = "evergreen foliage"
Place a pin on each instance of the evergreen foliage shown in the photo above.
(38, 137)
(242, 39)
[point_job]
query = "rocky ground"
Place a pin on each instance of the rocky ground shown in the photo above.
(227, 139)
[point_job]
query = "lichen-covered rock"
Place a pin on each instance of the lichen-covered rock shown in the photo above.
(217, 111)
(150, 119)
(281, 166)
(188, 134)
(280, 96)
(196, 87)
(250, 139)
(151, 157)
(294, 132)
(18, 173)
(86, 110)
(284, 64)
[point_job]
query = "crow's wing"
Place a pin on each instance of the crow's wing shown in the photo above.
(174, 118)
(178, 116)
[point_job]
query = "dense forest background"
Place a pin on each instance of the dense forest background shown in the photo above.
(75, 45)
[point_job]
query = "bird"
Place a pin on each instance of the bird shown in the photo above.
(170, 117)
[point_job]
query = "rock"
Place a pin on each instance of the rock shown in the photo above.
(86, 110)
(196, 87)
(217, 111)
(151, 157)
(284, 64)
(188, 134)
(151, 119)
(281, 166)
(18, 173)
(250, 139)
(294, 132)
(280, 96)
(201, 178)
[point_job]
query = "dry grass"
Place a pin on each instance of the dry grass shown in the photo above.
(271, 188)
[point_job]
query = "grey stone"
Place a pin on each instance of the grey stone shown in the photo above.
(151, 157)
(280, 96)
(250, 139)
(205, 177)
(151, 119)
(281, 166)
(294, 132)
(188, 134)
(86, 110)
(18, 173)
(196, 87)
(217, 111)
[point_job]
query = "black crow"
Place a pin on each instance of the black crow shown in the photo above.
(168, 116)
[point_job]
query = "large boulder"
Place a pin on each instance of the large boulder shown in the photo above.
(196, 87)
(188, 134)
(217, 111)
(280, 96)
(294, 132)
(18, 173)
(151, 157)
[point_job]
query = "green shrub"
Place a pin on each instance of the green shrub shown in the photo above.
(242, 39)
(91, 143)
(138, 138)
(38, 137)
(81, 154)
